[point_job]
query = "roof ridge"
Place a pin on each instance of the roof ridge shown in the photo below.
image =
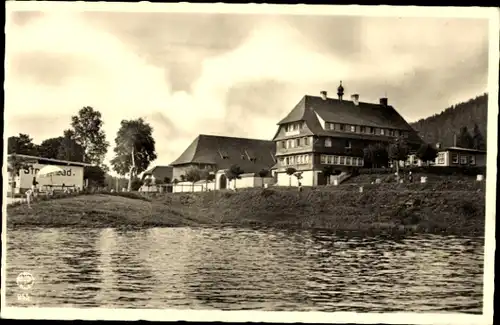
(231, 137)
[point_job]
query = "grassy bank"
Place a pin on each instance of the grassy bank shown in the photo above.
(446, 207)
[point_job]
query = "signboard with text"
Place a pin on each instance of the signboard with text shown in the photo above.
(69, 176)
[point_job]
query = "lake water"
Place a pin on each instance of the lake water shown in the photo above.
(236, 269)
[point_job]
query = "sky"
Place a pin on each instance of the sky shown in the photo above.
(228, 74)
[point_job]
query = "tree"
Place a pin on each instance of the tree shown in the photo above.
(427, 153)
(398, 151)
(375, 156)
(134, 149)
(14, 165)
(263, 174)
(233, 173)
(290, 171)
(22, 145)
(69, 149)
(478, 139)
(208, 177)
(49, 148)
(95, 175)
(464, 138)
(88, 133)
(136, 184)
(194, 174)
(298, 175)
(147, 182)
(327, 172)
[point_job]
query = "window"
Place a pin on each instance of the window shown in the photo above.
(328, 159)
(328, 142)
(354, 161)
(353, 128)
(323, 159)
(371, 130)
(360, 162)
(348, 161)
(299, 159)
(348, 144)
(464, 160)
(382, 132)
(441, 158)
(306, 159)
(342, 160)
(291, 144)
(336, 160)
(297, 142)
(341, 127)
(362, 129)
(472, 160)
(306, 141)
(396, 133)
(283, 144)
(391, 133)
(454, 158)
(223, 154)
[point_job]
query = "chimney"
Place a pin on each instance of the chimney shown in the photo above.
(355, 99)
(383, 101)
(323, 94)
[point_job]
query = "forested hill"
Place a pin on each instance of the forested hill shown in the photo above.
(442, 126)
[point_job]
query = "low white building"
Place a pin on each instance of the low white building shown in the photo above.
(244, 181)
(71, 174)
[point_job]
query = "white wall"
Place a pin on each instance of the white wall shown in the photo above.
(182, 187)
(248, 180)
(307, 179)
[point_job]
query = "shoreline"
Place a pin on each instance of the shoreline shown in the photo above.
(399, 208)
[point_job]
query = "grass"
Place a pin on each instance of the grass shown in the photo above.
(440, 207)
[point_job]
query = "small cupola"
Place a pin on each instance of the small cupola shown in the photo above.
(324, 94)
(340, 91)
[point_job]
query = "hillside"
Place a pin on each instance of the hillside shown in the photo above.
(442, 126)
(439, 207)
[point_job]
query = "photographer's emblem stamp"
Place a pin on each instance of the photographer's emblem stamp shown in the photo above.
(25, 280)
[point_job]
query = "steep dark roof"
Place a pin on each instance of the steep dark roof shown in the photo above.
(224, 151)
(160, 172)
(346, 112)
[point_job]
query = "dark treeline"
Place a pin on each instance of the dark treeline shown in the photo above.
(465, 120)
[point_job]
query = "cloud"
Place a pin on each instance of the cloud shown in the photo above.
(236, 75)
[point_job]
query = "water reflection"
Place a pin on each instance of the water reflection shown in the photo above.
(247, 269)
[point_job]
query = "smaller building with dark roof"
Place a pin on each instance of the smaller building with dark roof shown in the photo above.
(217, 153)
(458, 156)
(163, 173)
